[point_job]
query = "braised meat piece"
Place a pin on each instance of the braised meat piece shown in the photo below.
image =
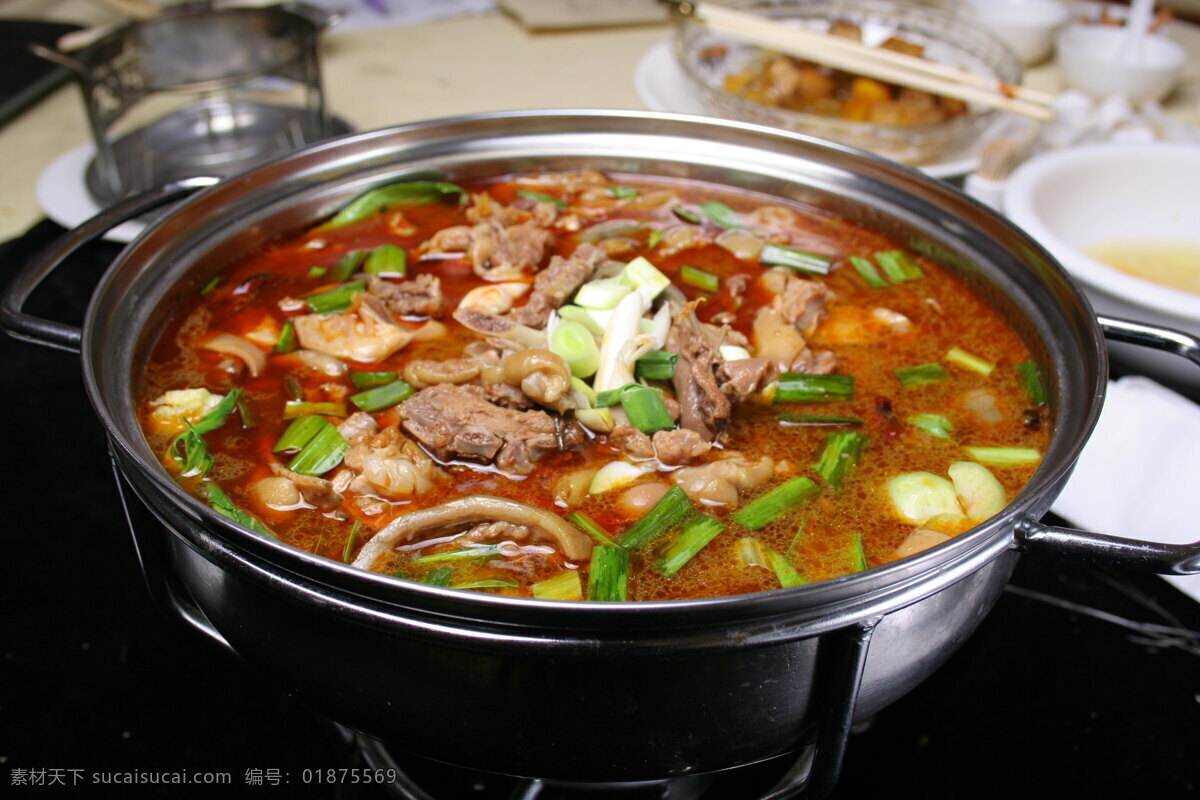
(456, 422)
(702, 406)
(420, 297)
(556, 283)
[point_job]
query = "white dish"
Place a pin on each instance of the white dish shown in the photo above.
(1027, 26)
(1103, 61)
(63, 195)
(1075, 199)
(663, 87)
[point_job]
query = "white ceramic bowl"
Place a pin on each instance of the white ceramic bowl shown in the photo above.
(1094, 61)
(1074, 199)
(1027, 26)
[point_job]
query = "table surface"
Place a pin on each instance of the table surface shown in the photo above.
(388, 75)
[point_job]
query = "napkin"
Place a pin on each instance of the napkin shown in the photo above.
(1139, 475)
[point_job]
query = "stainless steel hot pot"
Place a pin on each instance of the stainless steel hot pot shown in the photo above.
(579, 691)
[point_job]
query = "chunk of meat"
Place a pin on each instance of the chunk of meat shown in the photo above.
(318, 491)
(358, 426)
(556, 283)
(801, 303)
(390, 465)
(744, 377)
(420, 297)
(365, 333)
(780, 329)
(702, 406)
(422, 373)
(721, 482)
(457, 422)
(679, 446)
(496, 252)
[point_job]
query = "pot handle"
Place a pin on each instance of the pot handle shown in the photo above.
(57, 335)
(1165, 559)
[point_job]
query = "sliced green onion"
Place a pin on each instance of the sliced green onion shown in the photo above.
(336, 299)
(697, 532)
(647, 279)
(646, 409)
(244, 412)
(371, 380)
(602, 294)
(721, 214)
(541, 197)
(216, 418)
(466, 554)
(317, 272)
(293, 387)
(1005, 456)
(581, 315)
(838, 456)
(656, 365)
(590, 527)
(190, 452)
(584, 389)
(784, 570)
(322, 453)
(608, 574)
(611, 397)
(1030, 374)
(410, 193)
(563, 586)
(699, 278)
(779, 255)
(382, 397)
(486, 584)
(858, 558)
(300, 408)
(800, 387)
(817, 419)
(387, 260)
(686, 215)
(439, 577)
(956, 355)
(299, 433)
(287, 338)
(783, 498)
(920, 375)
(351, 541)
(868, 272)
(346, 266)
(898, 266)
(934, 424)
(611, 229)
(654, 238)
(221, 503)
(667, 513)
(622, 192)
(577, 346)
(212, 283)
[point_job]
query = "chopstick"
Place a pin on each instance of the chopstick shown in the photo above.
(874, 62)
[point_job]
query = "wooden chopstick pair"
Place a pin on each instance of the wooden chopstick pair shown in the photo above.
(873, 62)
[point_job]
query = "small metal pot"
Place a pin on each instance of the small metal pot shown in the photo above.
(588, 691)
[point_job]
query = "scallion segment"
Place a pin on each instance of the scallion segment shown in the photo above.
(646, 409)
(686, 215)
(721, 214)
(867, 271)
(1029, 372)
(190, 452)
(299, 433)
(622, 192)
(541, 197)
(563, 586)
(784, 570)
(667, 513)
(346, 266)
(387, 261)
(351, 542)
(294, 409)
(770, 506)
(933, 424)
(371, 380)
(490, 583)
(969, 361)
(590, 527)
(898, 265)
(321, 453)
(465, 554)
(858, 557)
(608, 574)
(212, 283)
(800, 387)
(839, 455)
(577, 346)
(286, 342)
(382, 397)
(778, 255)
(439, 577)
(293, 387)
(920, 375)
(216, 418)
(336, 299)
(699, 278)
(656, 365)
(817, 419)
(410, 193)
(220, 502)
(1005, 456)
(696, 533)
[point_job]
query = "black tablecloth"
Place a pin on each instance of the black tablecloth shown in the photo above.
(1045, 700)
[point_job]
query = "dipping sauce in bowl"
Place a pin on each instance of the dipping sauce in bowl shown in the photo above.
(1171, 263)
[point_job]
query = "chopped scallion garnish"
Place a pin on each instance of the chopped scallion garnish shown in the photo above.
(486, 584)
(956, 355)
(868, 272)
(336, 299)
(387, 260)
(898, 265)
(783, 498)
(351, 542)
(622, 192)
(667, 513)
(838, 456)
(371, 380)
(778, 255)
(817, 419)
(1005, 456)
(656, 365)
(721, 214)
(608, 574)
(920, 375)
(699, 278)
(346, 266)
(221, 503)
(286, 342)
(800, 387)
(784, 570)
(654, 238)
(212, 283)
(190, 453)
(317, 272)
(577, 346)
(439, 577)
(541, 197)
(293, 387)
(934, 424)
(322, 453)
(301, 408)
(410, 193)
(466, 554)
(590, 527)
(1029, 372)
(858, 557)
(299, 433)
(563, 586)
(382, 397)
(646, 409)
(697, 532)
(216, 418)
